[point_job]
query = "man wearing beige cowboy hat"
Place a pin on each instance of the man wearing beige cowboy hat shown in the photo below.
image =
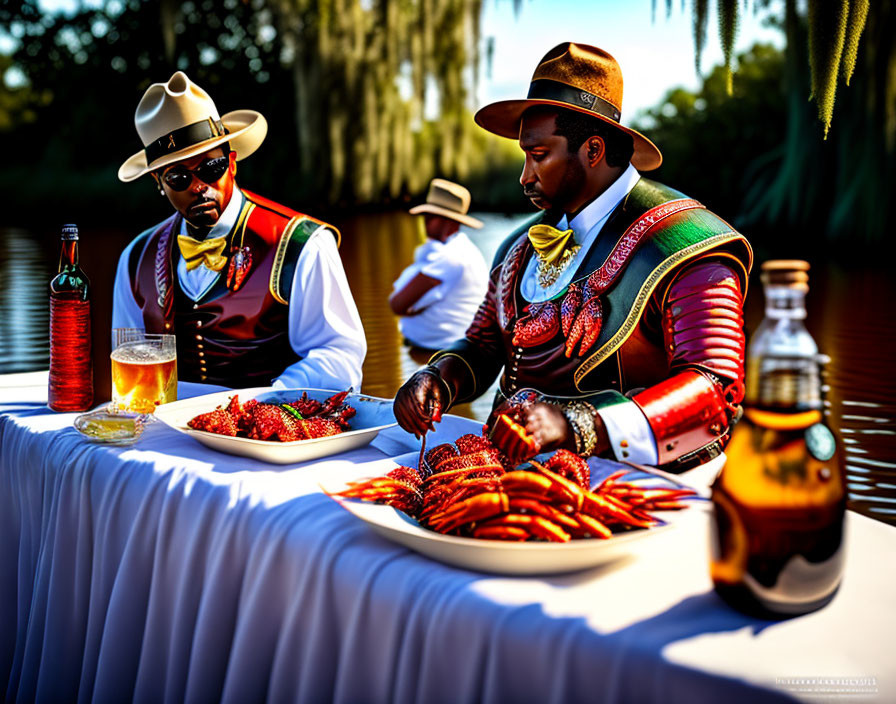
(615, 316)
(438, 294)
(254, 291)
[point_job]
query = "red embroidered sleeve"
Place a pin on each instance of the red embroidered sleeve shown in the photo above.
(704, 339)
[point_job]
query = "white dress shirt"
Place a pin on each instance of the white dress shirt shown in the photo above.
(324, 326)
(631, 437)
(444, 312)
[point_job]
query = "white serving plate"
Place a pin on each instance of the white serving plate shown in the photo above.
(507, 557)
(372, 415)
(497, 556)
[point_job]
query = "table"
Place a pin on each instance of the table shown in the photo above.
(164, 571)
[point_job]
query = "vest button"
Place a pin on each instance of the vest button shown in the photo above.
(202, 354)
(198, 323)
(195, 306)
(199, 337)
(200, 346)
(167, 326)
(203, 377)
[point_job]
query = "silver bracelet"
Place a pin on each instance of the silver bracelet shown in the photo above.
(580, 416)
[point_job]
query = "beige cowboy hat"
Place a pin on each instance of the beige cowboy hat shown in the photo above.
(450, 200)
(177, 120)
(575, 77)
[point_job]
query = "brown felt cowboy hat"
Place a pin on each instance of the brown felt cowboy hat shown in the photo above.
(177, 120)
(575, 77)
(450, 200)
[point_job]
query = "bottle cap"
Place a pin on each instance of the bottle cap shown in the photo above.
(70, 232)
(789, 273)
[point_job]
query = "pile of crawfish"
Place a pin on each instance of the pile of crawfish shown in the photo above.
(303, 419)
(469, 488)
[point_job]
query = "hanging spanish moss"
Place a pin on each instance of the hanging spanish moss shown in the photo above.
(728, 21)
(835, 29)
(839, 189)
(364, 74)
(827, 34)
(858, 13)
(701, 22)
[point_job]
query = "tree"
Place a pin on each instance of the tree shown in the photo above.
(835, 30)
(831, 174)
(344, 84)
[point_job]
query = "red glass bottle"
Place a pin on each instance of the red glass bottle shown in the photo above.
(71, 368)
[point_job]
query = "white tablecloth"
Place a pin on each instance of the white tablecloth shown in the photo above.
(168, 572)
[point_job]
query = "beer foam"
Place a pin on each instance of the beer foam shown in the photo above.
(141, 353)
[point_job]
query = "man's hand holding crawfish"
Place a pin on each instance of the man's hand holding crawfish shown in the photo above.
(523, 430)
(420, 402)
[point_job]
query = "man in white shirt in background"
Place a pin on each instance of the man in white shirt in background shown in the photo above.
(438, 294)
(254, 291)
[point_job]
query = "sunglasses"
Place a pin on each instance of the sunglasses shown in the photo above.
(180, 177)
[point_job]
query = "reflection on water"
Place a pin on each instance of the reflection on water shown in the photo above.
(848, 317)
(853, 325)
(24, 303)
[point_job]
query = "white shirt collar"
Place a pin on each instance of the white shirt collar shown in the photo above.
(600, 207)
(586, 227)
(227, 220)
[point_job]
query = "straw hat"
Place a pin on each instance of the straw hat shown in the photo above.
(450, 200)
(177, 120)
(575, 77)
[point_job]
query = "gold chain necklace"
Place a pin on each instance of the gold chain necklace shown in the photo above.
(548, 273)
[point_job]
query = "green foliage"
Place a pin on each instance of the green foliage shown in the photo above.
(19, 104)
(759, 158)
(707, 138)
(835, 28)
(344, 85)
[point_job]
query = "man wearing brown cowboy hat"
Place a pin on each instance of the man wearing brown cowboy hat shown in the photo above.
(438, 294)
(254, 291)
(615, 316)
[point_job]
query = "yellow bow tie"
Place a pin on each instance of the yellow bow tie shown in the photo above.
(207, 252)
(549, 242)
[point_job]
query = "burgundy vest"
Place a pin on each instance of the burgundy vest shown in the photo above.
(237, 333)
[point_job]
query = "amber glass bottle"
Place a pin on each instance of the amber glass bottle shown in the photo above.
(780, 501)
(71, 369)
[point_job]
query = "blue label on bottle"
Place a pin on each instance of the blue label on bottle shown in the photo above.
(820, 442)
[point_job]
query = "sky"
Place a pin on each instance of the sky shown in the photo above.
(655, 56)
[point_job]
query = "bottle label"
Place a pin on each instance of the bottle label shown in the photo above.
(71, 370)
(820, 442)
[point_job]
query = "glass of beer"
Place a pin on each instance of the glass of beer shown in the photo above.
(144, 370)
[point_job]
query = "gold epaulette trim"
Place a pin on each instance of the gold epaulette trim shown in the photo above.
(326, 225)
(279, 258)
(647, 288)
(242, 220)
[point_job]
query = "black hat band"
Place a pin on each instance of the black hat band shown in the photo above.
(546, 89)
(183, 138)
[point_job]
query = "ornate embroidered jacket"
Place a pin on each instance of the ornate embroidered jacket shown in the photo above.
(237, 333)
(670, 277)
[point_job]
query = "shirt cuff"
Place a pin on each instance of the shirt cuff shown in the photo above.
(631, 438)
